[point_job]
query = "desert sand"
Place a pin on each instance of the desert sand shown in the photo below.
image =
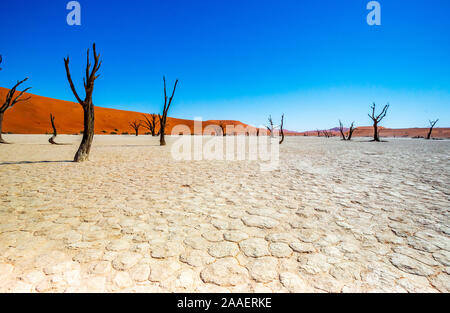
(335, 217)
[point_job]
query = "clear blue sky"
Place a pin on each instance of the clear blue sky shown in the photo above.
(316, 61)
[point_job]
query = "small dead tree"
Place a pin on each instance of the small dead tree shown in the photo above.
(10, 101)
(150, 123)
(270, 127)
(326, 133)
(341, 130)
(376, 120)
(136, 125)
(223, 128)
(163, 117)
(432, 123)
(257, 132)
(350, 131)
(281, 129)
(318, 133)
(87, 104)
(55, 133)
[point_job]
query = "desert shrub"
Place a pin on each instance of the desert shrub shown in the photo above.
(104, 132)
(113, 133)
(116, 130)
(125, 133)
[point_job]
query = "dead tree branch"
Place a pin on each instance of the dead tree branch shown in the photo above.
(10, 101)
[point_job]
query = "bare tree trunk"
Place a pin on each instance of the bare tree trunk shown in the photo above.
(341, 129)
(281, 129)
(375, 132)
(350, 131)
(87, 104)
(88, 134)
(163, 117)
(162, 138)
(52, 138)
(432, 123)
(1, 128)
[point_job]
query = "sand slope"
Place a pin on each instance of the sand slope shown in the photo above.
(32, 117)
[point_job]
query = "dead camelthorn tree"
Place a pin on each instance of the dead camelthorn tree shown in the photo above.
(318, 133)
(52, 138)
(281, 129)
(350, 131)
(270, 127)
(432, 123)
(10, 101)
(327, 133)
(150, 123)
(223, 127)
(376, 120)
(87, 104)
(163, 117)
(136, 125)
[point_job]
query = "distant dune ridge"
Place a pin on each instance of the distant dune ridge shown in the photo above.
(33, 117)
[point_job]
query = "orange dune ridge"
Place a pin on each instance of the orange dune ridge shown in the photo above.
(33, 117)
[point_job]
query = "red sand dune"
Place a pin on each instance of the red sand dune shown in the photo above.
(33, 117)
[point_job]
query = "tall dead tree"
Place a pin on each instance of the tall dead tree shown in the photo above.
(136, 125)
(163, 117)
(377, 119)
(432, 123)
(281, 129)
(350, 131)
(87, 104)
(150, 123)
(1, 59)
(10, 101)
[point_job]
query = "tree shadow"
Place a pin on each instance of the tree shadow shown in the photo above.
(34, 162)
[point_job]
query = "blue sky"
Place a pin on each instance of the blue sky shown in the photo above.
(316, 61)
